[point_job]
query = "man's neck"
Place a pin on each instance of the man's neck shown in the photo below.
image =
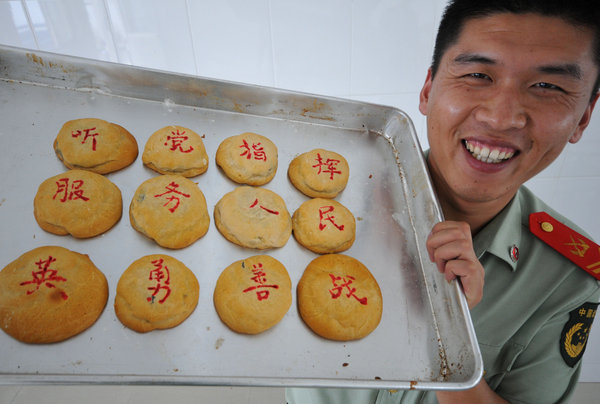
(476, 213)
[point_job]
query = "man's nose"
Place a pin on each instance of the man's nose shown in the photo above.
(502, 109)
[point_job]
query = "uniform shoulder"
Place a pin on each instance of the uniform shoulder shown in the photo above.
(531, 203)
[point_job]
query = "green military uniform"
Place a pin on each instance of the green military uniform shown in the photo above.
(531, 325)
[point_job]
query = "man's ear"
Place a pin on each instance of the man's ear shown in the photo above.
(584, 121)
(424, 96)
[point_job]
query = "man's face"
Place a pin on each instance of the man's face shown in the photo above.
(507, 97)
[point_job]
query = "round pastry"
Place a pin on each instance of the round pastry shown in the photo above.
(338, 298)
(50, 294)
(253, 295)
(319, 173)
(156, 292)
(254, 218)
(78, 202)
(176, 150)
(95, 145)
(324, 226)
(248, 158)
(171, 210)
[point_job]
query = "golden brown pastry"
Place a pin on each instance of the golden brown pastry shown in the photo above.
(339, 298)
(324, 226)
(319, 173)
(176, 150)
(78, 202)
(253, 295)
(254, 218)
(95, 145)
(50, 294)
(171, 210)
(156, 292)
(248, 158)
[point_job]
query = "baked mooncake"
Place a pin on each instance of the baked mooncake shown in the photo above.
(96, 145)
(324, 226)
(156, 292)
(171, 210)
(253, 217)
(176, 150)
(253, 295)
(50, 294)
(319, 173)
(77, 202)
(338, 298)
(248, 158)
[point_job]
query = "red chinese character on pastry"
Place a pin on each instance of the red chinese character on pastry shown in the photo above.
(177, 141)
(161, 275)
(46, 276)
(328, 166)
(73, 192)
(274, 212)
(260, 278)
(324, 216)
(344, 282)
(172, 189)
(86, 133)
(255, 151)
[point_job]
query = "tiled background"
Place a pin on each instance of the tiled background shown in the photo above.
(370, 50)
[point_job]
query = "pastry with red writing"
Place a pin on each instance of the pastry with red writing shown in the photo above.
(50, 294)
(338, 298)
(319, 173)
(324, 226)
(171, 210)
(253, 217)
(176, 150)
(77, 202)
(253, 295)
(96, 145)
(248, 158)
(156, 292)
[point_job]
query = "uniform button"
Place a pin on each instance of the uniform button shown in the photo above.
(547, 227)
(514, 253)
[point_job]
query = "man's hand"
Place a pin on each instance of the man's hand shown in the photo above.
(450, 246)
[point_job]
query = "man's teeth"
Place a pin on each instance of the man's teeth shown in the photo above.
(484, 154)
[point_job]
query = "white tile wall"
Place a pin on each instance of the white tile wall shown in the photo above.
(371, 50)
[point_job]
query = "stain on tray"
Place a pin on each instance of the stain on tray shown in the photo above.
(219, 343)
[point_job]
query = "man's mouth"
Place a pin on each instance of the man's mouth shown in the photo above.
(487, 153)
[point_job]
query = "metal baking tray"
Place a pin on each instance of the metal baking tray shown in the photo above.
(425, 339)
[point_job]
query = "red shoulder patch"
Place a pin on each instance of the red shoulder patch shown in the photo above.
(582, 251)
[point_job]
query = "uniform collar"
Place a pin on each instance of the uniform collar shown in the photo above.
(502, 234)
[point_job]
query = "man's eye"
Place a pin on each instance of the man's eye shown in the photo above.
(479, 76)
(548, 86)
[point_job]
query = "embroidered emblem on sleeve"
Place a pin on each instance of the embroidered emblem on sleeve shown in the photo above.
(575, 333)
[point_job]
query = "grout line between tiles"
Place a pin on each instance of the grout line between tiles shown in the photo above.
(111, 30)
(26, 11)
(189, 23)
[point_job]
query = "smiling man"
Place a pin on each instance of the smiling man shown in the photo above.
(511, 84)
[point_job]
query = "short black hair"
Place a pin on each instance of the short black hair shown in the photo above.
(584, 13)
